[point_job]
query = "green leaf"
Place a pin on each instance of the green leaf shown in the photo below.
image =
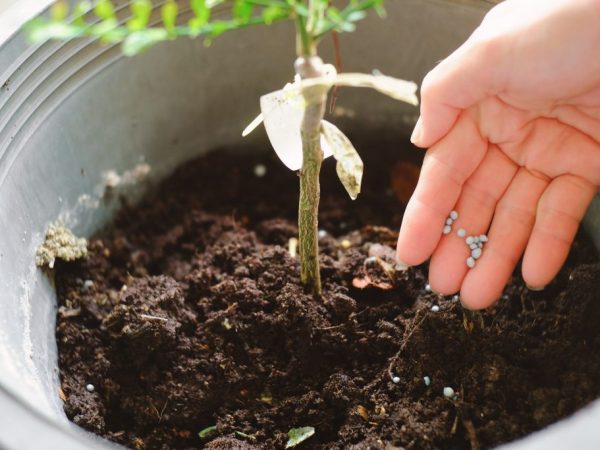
(298, 435)
(59, 11)
(272, 13)
(169, 15)
(207, 431)
(105, 10)
(140, 12)
(349, 165)
(141, 40)
(242, 10)
(212, 3)
(79, 12)
(201, 12)
(40, 31)
(355, 16)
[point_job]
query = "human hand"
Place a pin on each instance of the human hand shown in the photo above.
(512, 122)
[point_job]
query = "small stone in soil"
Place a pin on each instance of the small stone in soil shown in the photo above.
(435, 308)
(427, 380)
(345, 244)
(447, 229)
(470, 262)
(396, 380)
(448, 392)
(453, 215)
(260, 170)
(90, 388)
(461, 232)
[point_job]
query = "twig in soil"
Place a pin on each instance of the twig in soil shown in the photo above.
(162, 411)
(471, 434)
(405, 339)
(149, 317)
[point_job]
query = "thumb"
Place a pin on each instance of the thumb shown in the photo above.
(455, 84)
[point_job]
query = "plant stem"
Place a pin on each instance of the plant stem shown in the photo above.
(315, 97)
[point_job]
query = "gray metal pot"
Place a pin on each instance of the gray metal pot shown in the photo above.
(72, 112)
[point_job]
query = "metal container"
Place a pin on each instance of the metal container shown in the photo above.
(73, 112)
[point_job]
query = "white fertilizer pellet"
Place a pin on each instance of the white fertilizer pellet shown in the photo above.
(435, 308)
(447, 229)
(396, 380)
(476, 253)
(448, 392)
(260, 170)
(453, 215)
(90, 388)
(470, 262)
(461, 232)
(427, 381)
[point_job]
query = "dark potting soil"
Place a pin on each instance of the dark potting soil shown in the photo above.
(189, 314)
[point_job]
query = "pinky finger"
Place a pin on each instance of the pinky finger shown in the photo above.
(560, 210)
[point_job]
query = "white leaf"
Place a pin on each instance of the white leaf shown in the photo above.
(282, 113)
(349, 166)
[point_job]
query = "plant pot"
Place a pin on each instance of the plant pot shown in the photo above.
(72, 113)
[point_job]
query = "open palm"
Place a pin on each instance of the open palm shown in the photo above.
(513, 130)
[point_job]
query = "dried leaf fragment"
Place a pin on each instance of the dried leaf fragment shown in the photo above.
(349, 166)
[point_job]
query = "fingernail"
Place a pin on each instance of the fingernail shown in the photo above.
(417, 133)
(534, 288)
(400, 265)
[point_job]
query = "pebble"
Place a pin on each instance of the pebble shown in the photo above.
(427, 381)
(396, 380)
(447, 229)
(470, 262)
(461, 232)
(260, 170)
(449, 221)
(322, 234)
(453, 215)
(370, 260)
(435, 308)
(345, 243)
(90, 388)
(476, 253)
(448, 392)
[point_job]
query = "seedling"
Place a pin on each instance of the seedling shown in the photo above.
(293, 116)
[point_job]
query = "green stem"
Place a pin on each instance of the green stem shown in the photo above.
(308, 209)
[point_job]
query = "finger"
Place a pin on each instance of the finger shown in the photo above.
(480, 194)
(559, 213)
(446, 167)
(511, 227)
(458, 82)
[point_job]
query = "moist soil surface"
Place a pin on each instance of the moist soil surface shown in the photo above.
(189, 314)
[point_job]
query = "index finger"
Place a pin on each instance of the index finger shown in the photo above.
(446, 167)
